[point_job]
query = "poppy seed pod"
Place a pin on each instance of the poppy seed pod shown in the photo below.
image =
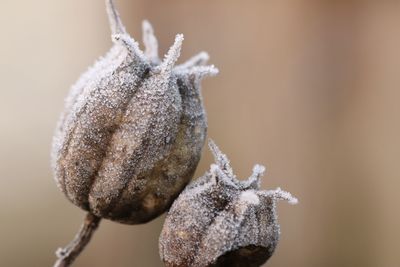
(221, 221)
(133, 128)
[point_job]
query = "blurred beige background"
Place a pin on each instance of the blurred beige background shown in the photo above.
(308, 88)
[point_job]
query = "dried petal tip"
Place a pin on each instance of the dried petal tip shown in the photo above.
(114, 18)
(203, 71)
(254, 181)
(220, 159)
(150, 42)
(280, 194)
(173, 54)
(220, 177)
(130, 44)
(258, 171)
(198, 60)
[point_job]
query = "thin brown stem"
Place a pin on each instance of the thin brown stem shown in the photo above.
(68, 254)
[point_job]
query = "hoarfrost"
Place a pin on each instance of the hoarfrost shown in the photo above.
(217, 214)
(120, 138)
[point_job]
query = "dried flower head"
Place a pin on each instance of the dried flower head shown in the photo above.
(133, 128)
(221, 221)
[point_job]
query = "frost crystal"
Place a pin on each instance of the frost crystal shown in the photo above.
(131, 135)
(218, 220)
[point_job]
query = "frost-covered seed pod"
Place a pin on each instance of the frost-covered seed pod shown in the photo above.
(221, 221)
(133, 128)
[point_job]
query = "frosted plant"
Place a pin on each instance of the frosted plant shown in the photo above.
(132, 132)
(221, 221)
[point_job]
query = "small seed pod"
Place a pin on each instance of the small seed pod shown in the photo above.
(133, 128)
(221, 221)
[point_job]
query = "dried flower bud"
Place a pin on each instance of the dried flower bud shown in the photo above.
(133, 128)
(221, 221)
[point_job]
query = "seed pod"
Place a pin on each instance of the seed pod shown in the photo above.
(131, 135)
(221, 221)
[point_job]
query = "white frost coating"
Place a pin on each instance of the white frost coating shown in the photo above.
(172, 56)
(221, 159)
(258, 171)
(254, 181)
(218, 176)
(198, 60)
(116, 24)
(217, 214)
(130, 44)
(198, 72)
(249, 197)
(279, 194)
(81, 90)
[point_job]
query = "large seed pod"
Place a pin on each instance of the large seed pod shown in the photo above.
(221, 221)
(131, 135)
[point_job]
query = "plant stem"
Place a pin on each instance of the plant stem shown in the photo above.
(68, 254)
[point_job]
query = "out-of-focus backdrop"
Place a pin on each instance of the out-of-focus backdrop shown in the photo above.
(311, 89)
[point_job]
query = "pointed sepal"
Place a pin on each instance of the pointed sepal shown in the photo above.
(114, 19)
